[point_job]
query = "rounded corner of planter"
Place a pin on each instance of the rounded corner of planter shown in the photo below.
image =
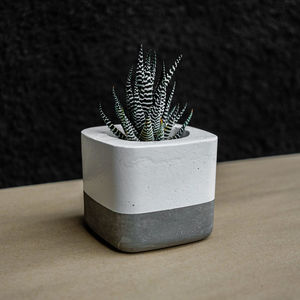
(128, 247)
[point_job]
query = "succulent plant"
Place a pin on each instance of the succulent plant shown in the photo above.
(147, 114)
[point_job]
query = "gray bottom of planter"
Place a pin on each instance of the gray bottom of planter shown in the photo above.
(148, 231)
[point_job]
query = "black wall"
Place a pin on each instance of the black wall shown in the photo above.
(240, 73)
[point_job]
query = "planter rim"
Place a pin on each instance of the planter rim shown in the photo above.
(103, 134)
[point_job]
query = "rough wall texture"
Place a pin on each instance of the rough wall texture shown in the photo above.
(241, 73)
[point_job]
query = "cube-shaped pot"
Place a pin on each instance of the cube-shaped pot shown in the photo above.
(140, 196)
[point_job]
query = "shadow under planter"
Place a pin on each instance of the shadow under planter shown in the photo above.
(148, 231)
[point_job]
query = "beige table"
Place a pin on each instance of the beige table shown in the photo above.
(253, 252)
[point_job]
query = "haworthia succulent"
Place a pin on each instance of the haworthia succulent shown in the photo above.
(138, 112)
(147, 132)
(157, 109)
(171, 121)
(168, 104)
(129, 129)
(148, 62)
(164, 70)
(180, 132)
(180, 113)
(160, 133)
(140, 68)
(109, 124)
(129, 92)
(147, 115)
(167, 77)
(148, 88)
(173, 68)
(171, 113)
(140, 76)
(158, 106)
(153, 67)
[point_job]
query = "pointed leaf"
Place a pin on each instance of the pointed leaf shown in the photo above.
(171, 121)
(160, 133)
(148, 87)
(147, 132)
(129, 93)
(153, 67)
(110, 125)
(168, 104)
(173, 69)
(180, 132)
(168, 76)
(157, 110)
(129, 129)
(140, 68)
(138, 112)
(180, 114)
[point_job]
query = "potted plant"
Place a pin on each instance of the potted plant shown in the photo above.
(148, 183)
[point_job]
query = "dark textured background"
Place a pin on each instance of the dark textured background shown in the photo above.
(241, 73)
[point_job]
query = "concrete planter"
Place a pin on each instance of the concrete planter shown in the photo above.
(140, 196)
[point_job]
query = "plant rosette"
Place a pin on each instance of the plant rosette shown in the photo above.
(149, 182)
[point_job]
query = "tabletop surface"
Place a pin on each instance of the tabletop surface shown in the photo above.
(46, 252)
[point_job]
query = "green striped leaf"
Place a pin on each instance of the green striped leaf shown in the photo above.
(138, 112)
(148, 87)
(171, 121)
(153, 67)
(110, 125)
(128, 128)
(180, 132)
(180, 114)
(159, 103)
(173, 69)
(160, 133)
(147, 132)
(168, 76)
(129, 93)
(168, 104)
(140, 68)
(157, 110)
(164, 70)
(148, 62)
(174, 118)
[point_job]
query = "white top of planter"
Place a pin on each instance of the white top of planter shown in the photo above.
(103, 134)
(140, 177)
